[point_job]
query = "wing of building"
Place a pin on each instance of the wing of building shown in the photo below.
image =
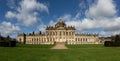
(58, 33)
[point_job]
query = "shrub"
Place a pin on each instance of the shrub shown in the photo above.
(4, 44)
(12, 44)
(107, 43)
(8, 44)
(117, 38)
(111, 43)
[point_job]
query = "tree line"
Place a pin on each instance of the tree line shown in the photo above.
(115, 41)
(7, 41)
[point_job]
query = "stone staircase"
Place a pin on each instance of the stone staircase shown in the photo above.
(59, 45)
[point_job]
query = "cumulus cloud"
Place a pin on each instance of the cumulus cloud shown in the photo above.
(10, 14)
(27, 12)
(6, 28)
(103, 14)
(52, 23)
(100, 15)
(102, 9)
(42, 27)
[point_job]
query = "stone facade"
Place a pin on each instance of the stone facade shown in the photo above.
(58, 33)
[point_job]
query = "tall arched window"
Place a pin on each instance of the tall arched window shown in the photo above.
(67, 33)
(64, 33)
(86, 39)
(72, 33)
(60, 33)
(20, 40)
(76, 39)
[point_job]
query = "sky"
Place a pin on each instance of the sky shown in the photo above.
(87, 16)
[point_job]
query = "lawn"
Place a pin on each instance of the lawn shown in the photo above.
(74, 53)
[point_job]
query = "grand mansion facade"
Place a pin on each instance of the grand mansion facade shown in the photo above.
(60, 33)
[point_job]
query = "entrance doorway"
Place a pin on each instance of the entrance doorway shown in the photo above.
(60, 40)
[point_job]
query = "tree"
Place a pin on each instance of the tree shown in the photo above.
(117, 38)
(8, 38)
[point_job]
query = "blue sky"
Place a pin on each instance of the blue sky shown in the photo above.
(88, 16)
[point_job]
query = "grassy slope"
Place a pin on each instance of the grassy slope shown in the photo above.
(74, 53)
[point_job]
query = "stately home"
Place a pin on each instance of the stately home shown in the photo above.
(60, 33)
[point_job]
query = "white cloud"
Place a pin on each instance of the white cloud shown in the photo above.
(6, 28)
(102, 9)
(42, 27)
(100, 15)
(52, 23)
(10, 14)
(110, 24)
(67, 17)
(103, 17)
(82, 25)
(27, 12)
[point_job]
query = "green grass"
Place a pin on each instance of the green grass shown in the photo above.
(85, 46)
(34, 46)
(74, 53)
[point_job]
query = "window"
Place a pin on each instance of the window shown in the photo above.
(60, 33)
(86, 39)
(32, 39)
(20, 39)
(53, 39)
(66, 33)
(72, 33)
(37, 39)
(83, 39)
(50, 39)
(76, 39)
(69, 33)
